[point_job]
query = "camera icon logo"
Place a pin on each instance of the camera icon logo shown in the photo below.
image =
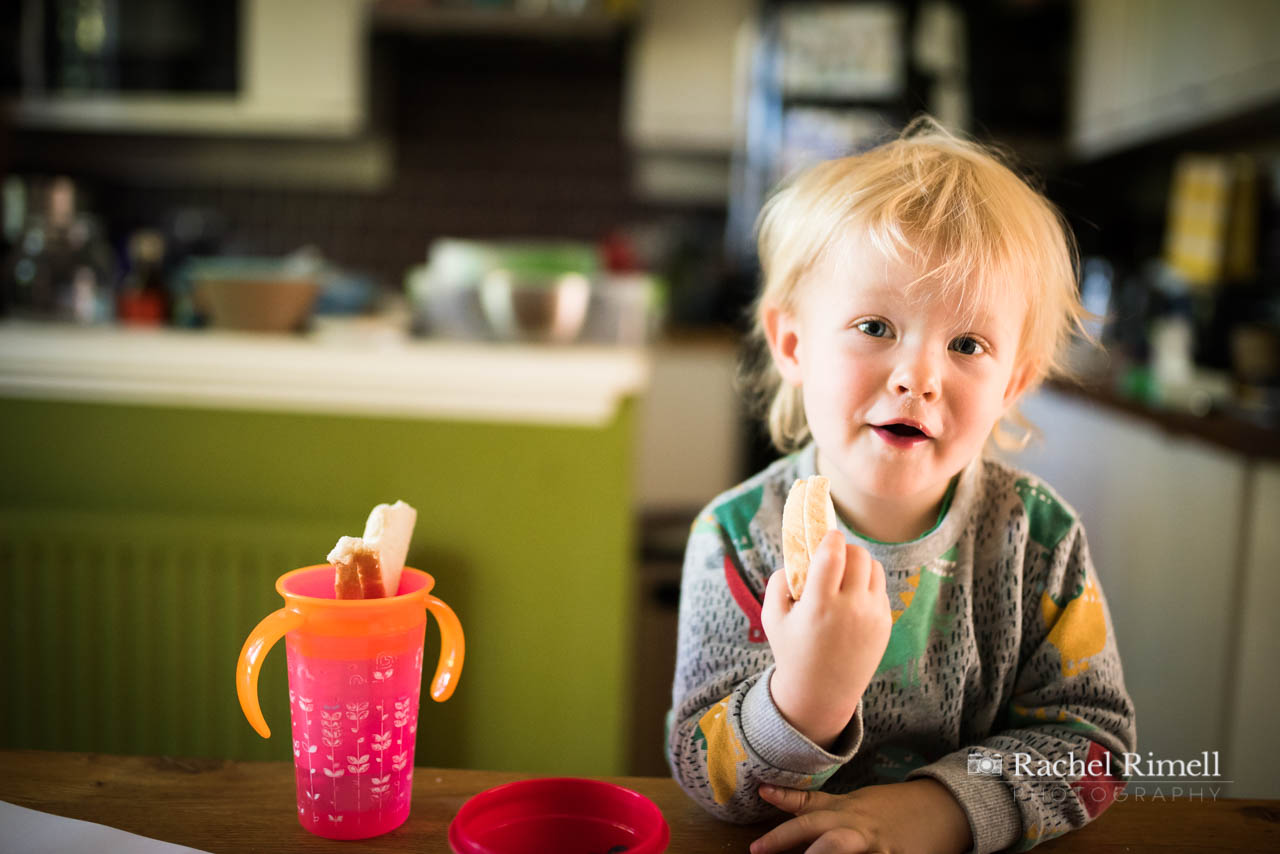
(989, 765)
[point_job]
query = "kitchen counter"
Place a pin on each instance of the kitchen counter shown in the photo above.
(1223, 430)
(566, 385)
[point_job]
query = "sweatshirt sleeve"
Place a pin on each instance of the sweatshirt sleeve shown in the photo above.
(726, 735)
(1046, 769)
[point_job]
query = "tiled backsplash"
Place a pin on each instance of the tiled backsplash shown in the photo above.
(487, 137)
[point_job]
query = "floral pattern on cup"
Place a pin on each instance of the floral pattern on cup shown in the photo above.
(354, 725)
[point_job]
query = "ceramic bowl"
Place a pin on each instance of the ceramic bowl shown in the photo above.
(260, 295)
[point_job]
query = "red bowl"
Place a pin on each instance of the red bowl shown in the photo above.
(562, 815)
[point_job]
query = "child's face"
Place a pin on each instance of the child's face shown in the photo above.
(866, 355)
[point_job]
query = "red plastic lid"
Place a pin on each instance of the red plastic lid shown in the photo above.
(560, 815)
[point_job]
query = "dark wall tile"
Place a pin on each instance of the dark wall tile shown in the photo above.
(492, 138)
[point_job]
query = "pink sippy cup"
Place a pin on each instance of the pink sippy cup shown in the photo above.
(355, 670)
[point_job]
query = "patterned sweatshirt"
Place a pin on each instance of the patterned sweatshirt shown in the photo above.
(1001, 679)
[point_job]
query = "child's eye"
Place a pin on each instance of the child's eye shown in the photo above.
(874, 328)
(968, 346)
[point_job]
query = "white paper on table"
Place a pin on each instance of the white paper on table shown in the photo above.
(28, 831)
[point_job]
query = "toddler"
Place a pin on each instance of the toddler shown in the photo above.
(948, 679)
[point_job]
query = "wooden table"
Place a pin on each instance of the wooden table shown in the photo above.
(220, 805)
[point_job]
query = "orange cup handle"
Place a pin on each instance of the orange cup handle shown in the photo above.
(264, 636)
(452, 647)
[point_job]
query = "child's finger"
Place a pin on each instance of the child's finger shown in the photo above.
(777, 598)
(841, 840)
(795, 800)
(857, 568)
(878, 582)
(797, 831)
(827, 569)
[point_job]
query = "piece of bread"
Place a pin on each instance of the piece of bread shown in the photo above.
(388, 531)
(357, 571)
(795, 554)
(807, 515)
(369, 567)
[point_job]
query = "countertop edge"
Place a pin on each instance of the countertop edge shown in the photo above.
(510, 383)
(1231, 434)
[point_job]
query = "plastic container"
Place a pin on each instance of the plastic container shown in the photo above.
(355, 670)
(564, 815)
(534, 307)
(504, 290)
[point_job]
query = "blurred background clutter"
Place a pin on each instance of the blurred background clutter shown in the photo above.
(515, 203)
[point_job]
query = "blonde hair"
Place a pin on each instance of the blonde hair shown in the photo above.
(947, 207)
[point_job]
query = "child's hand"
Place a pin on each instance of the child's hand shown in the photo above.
(827, 646)
(919, 816)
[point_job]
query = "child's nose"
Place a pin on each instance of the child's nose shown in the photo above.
(915, 376)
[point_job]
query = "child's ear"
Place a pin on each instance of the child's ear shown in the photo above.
(1018, 382)
(782, 331)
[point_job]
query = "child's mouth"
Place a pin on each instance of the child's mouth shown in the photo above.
(900, 435)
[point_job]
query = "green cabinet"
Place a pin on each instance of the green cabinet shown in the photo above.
(139, 544)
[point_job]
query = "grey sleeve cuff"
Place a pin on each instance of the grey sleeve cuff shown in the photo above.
(994, 819)
(782, 746)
